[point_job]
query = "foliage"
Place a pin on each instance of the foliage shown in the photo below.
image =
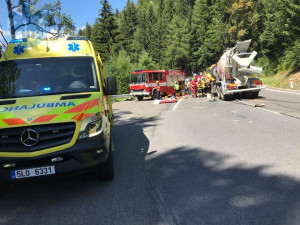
(192, 34)
(120, 67)
(33, 21)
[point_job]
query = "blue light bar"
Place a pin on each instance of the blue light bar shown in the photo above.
(46, 89)
(77, 38)
(18, 40)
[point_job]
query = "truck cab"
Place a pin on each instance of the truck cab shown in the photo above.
(55, 110)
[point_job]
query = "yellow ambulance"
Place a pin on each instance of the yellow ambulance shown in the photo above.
(55, 110)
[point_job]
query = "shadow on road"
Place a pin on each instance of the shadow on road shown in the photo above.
(194, 186)
(82, 199)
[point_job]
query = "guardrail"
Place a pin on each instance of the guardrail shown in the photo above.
(120, 96)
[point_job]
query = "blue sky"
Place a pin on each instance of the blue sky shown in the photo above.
(81, 11)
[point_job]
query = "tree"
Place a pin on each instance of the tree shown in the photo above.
(200, 22)
(177, 51)
(105, 30)
(54, 22)
(120, 67)
(246, 21)
(88, 31)
(127, 26)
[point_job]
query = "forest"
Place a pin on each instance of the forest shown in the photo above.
(191, 35)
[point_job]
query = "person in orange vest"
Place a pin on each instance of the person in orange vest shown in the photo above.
(157, 90)
(193, 87)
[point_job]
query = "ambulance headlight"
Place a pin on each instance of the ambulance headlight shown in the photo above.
(91, 126)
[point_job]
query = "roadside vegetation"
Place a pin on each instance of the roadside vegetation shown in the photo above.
(190, 35)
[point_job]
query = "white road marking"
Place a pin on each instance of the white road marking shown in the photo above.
(177, 104)
(198, 107)
(287, 92)
(262, 108)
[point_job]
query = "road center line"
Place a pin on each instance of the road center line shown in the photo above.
(177, 104)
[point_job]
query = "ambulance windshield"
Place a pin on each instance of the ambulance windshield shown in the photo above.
(138, 78)
(45, 76)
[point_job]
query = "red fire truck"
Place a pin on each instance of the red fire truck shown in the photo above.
(143, 82)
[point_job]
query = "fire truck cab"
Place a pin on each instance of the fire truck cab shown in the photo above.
(143, 82)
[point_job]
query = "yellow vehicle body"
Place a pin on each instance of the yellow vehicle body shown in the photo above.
(55, 110)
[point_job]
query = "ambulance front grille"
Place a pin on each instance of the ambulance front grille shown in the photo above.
(35, 138)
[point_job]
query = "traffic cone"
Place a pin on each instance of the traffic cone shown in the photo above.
(183, 94)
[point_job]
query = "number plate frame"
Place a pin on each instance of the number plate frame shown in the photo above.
(32, 172)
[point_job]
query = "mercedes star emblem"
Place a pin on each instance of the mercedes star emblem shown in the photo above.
(29, 137)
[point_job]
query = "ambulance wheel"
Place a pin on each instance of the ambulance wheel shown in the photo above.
(4, 188)
(106, 173)
(140, 98)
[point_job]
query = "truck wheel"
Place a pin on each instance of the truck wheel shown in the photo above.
(255, 94)
(249, 94)
(140, 98)
(228, 97)
(106, 173)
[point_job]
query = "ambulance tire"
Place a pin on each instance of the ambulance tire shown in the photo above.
(140, 98)
(4, 188)
(106, 173)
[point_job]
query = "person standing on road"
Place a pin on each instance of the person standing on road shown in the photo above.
(157, 90)
(176, 87)
(202, 86)
(193, 87)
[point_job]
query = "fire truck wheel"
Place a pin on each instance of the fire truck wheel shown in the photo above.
(140, 98)
(106, 173)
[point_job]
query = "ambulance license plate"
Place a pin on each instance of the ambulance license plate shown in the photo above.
(33, 172)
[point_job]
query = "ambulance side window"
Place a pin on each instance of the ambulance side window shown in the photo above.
(161, 76)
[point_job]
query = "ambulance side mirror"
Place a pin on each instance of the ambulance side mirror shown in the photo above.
(111, 86)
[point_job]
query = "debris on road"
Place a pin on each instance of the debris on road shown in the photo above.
(258, 105)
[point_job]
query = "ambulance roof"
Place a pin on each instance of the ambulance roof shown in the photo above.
(26, 48)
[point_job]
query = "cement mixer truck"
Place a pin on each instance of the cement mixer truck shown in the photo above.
(234, 74)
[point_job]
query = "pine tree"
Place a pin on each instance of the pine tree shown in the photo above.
(177, 51)
(88, 31)
(127, 26)
(103, 32)
(200, 22)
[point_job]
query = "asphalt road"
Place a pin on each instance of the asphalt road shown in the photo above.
(192, 162)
